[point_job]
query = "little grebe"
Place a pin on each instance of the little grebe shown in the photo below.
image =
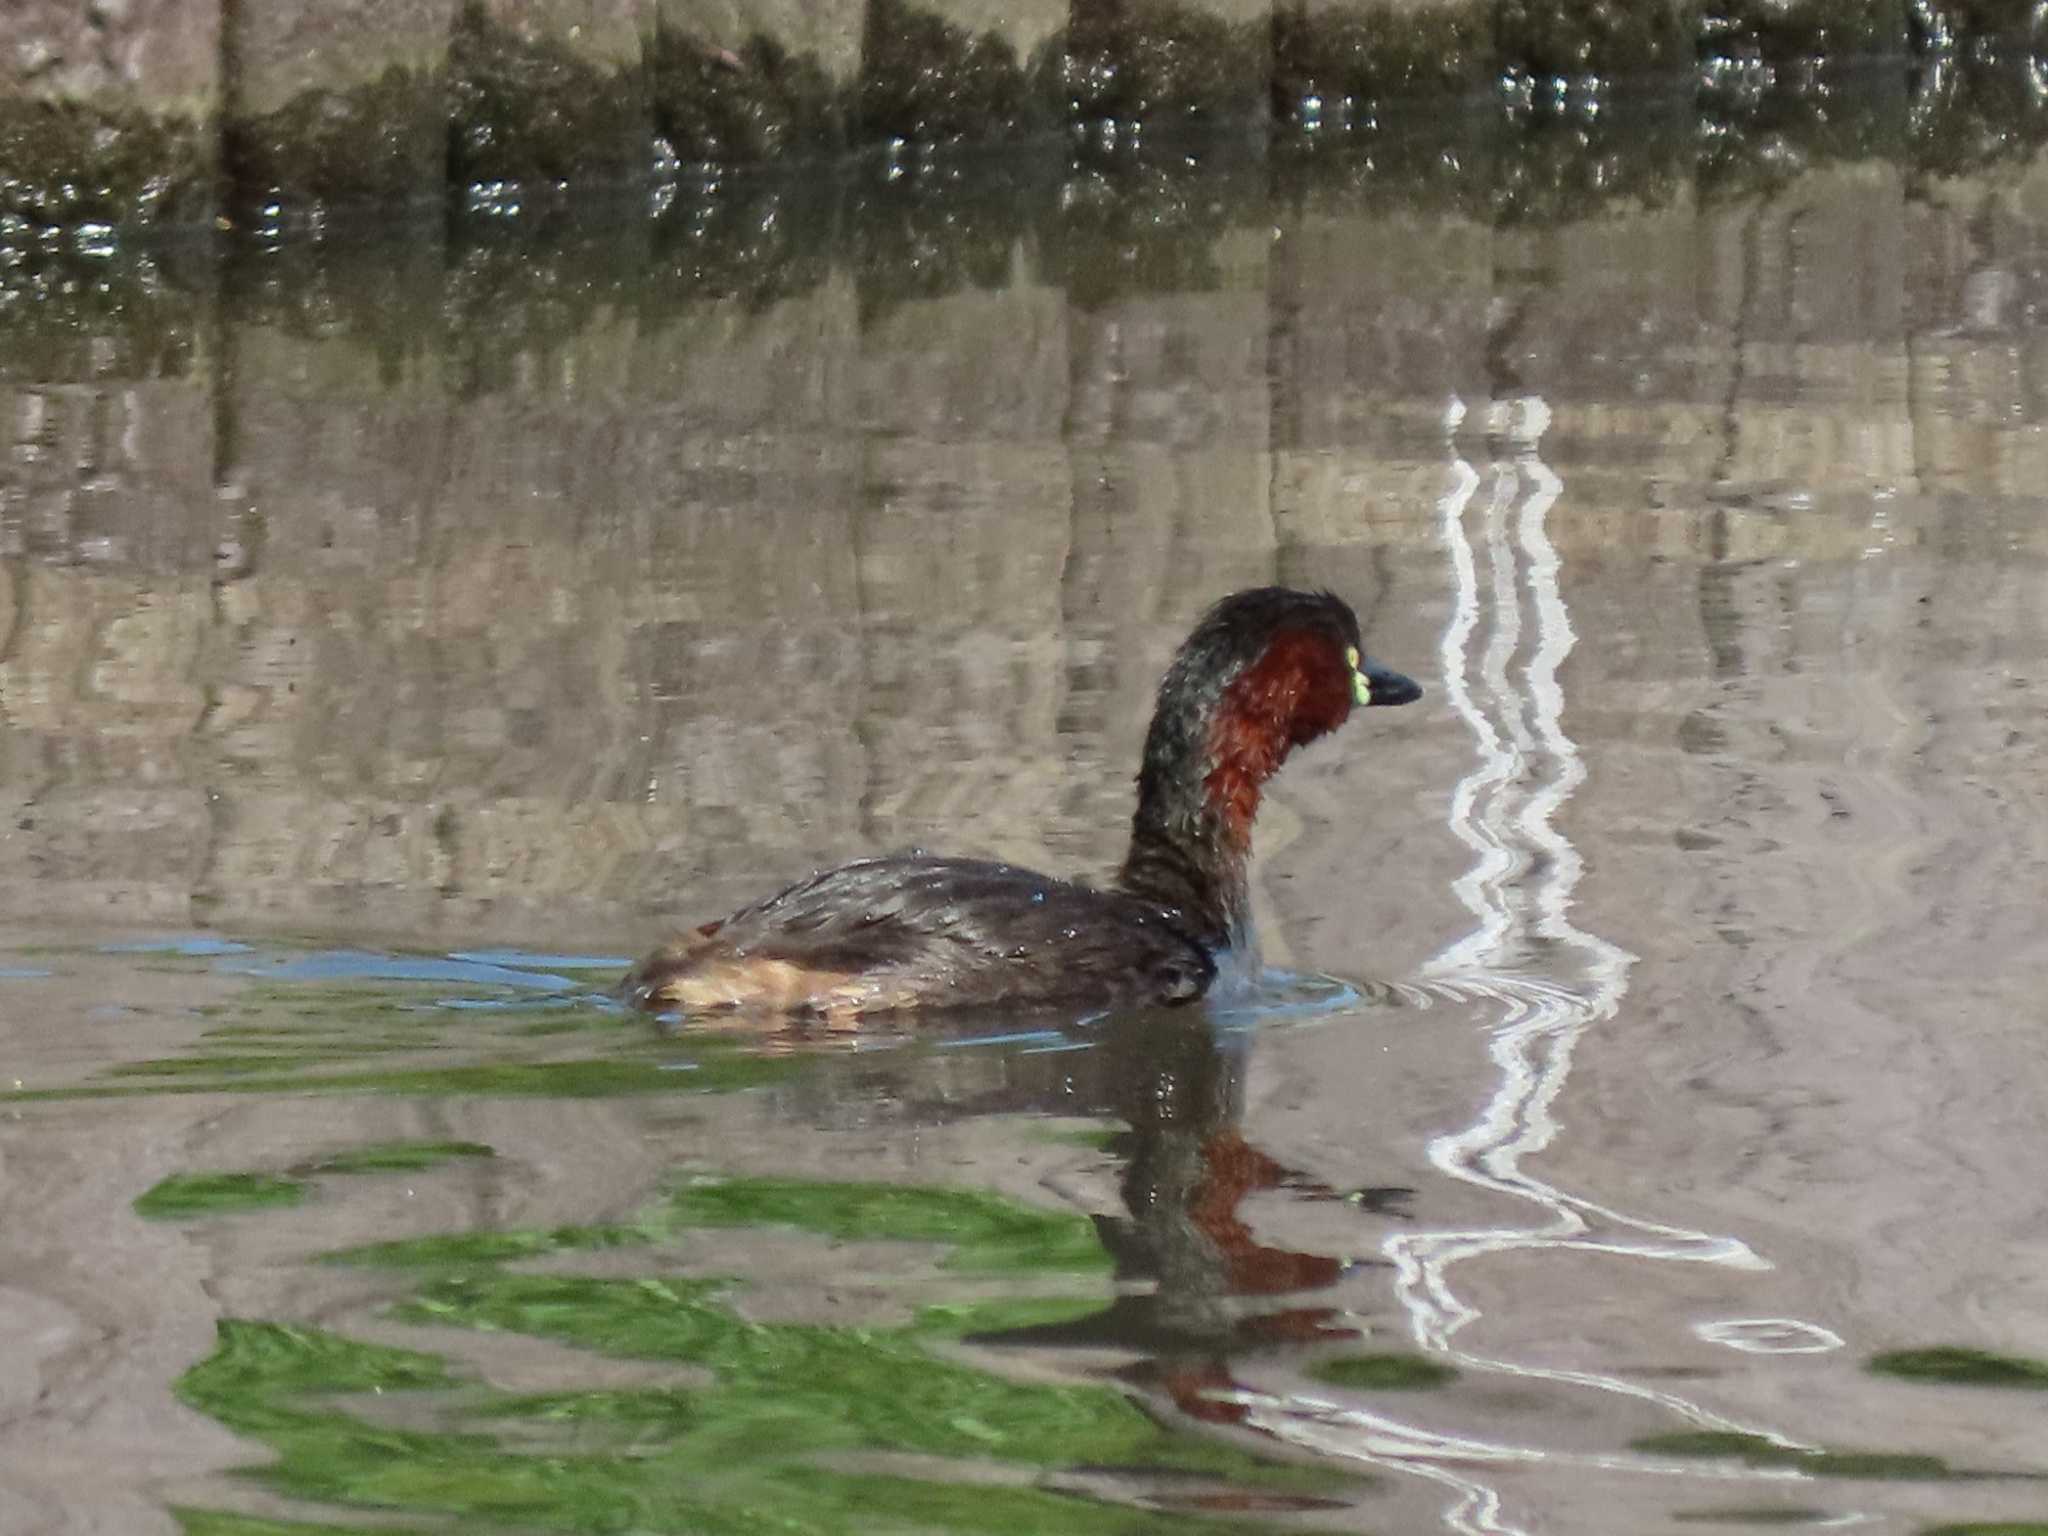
(1265, 671)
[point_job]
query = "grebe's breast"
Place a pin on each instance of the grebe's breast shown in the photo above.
(914, 931)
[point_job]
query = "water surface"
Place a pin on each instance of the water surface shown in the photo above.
(369, 695)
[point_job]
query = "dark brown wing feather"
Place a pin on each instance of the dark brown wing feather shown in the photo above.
(921, 932)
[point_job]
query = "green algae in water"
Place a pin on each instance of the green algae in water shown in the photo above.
(987, 1234)
(257, 1361)
(1717, 1442)
(580, 1079)
(222, 1063)
(1957, 1366)
(964, 1319)
(219, 1522)
(707, 1460)
(399, 1157)
(370, 995)
(534, 1024)
(872, 1390)
(584, 1078)
(290, 1038)
(415, 1021)
(1094, 1138)
(281, 1037)
(1383, 1373)
(260, 1374)
(1886, 1465)
(469, 1250)
(986, 1231)
(704, 1462)
(187, 1195)
(657, 1406)
(863, 1504)
(324, 1047)
(850, 1389)
(1756, 1451)
(184, 1196)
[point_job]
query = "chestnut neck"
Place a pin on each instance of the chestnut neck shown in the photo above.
(1210, 750)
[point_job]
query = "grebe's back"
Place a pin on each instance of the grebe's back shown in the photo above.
(919, 931)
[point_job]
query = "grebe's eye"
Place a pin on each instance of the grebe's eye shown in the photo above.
(1361, 689)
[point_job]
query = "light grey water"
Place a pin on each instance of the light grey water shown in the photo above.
(1693, 1056)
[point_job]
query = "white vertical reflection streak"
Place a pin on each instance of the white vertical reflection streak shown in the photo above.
(1519, 735)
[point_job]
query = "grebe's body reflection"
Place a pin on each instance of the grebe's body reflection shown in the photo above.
(1176, 1081)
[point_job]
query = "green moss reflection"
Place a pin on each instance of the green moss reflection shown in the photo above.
(581, 1078)
(399, 1157)
(965, 1319)
(656, 1408)
(726, 1458)
(222, 1064)
(255, 1361)
(773, 1425)
(436, 1038)
(1756, 1451)
(586, 1078)
(1384, 1372)
(463, 1250)
(1095, 1138)
(220, 1522)
(1955, 1365)
(187, 1195)
(986, 1231)
(854, 1389)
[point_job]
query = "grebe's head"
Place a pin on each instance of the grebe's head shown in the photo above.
(1265, 671)
(1292, 658)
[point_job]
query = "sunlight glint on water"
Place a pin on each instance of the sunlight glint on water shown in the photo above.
(1520, 739)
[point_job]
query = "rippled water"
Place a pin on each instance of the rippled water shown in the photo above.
(1642, 1131)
